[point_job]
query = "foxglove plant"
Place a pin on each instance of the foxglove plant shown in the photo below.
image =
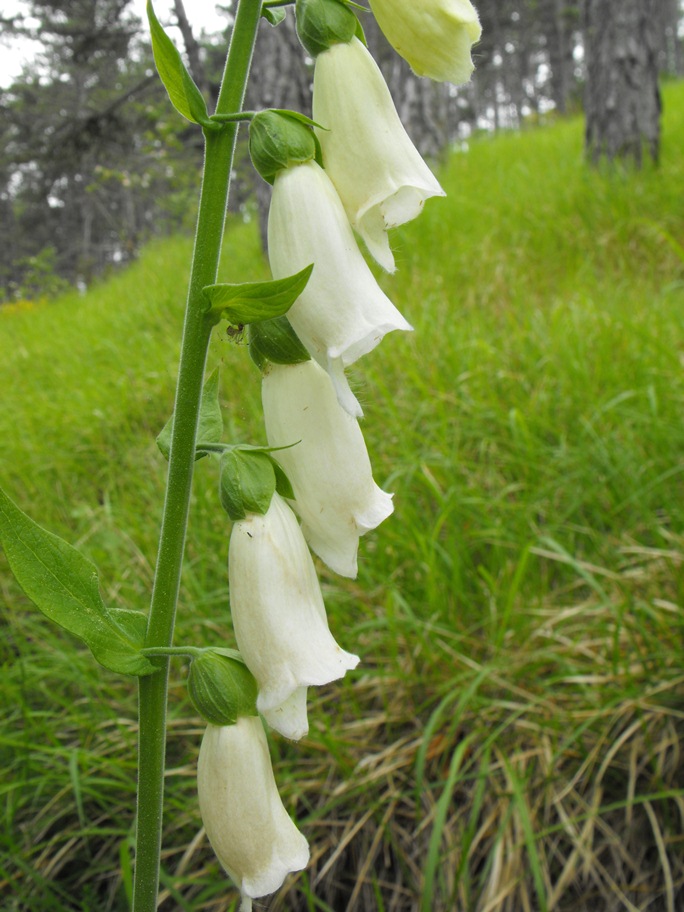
(379, 174)
(329, 468)
(279, 617)
(342, 313)
(434, 36)
(249, 829)
(317, 459)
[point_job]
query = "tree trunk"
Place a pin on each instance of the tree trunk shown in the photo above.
(280, 79)
(622, 101)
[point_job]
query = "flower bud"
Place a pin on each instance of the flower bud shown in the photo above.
(277, 140)
(433, 36)
(322, 23)
(221, 688)
(248, 828)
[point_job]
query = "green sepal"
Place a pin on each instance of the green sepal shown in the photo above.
(253, 302)
(279, 139)
(283, 486)
(276, 341)
(273, 15)
(360, 34)
(210, 424)
(64, 586)
(183, 92)
(322, 23)
(247, 481)
(221, 687)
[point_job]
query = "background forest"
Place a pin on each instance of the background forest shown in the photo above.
(93, 161)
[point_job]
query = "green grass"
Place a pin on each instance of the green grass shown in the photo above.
(510, 740)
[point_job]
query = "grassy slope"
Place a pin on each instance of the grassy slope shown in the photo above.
(519, 617)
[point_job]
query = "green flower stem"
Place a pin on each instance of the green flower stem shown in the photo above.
(219, 150)
(233, 118)
(163, 651)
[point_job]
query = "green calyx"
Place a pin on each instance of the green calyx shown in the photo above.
(322, 23)
(280, 139)
(221, 687)
(249, 477)
(276, 341)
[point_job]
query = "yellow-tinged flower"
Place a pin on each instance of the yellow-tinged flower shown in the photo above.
(329, 468)
(249, 829)
(434, 36)
(279, 617)
(377, 171)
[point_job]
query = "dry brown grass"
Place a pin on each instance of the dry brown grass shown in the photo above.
(544, 775)
(547, 776)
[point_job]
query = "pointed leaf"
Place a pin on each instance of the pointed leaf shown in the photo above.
(183, 92)
(64, 586)
(252, 302)
(133, 623)
(273, 15)
(210, 424)
(283, 486)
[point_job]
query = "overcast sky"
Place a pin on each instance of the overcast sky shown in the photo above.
(201, 13)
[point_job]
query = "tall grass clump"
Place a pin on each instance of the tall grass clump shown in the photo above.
(511, 740)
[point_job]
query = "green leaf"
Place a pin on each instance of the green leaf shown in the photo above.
(134, 623)
(64, 586)
(221, 687)
(273, 15)
(183, 92)
(283, 486)
(253, 302)
(248, 481)
(210, 424)
(275, 340)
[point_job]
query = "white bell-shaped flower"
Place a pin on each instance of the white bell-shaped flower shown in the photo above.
(329, 468)
(377, 171)
(279, 617)
(433, 36)
(249, 829)
(342, 313)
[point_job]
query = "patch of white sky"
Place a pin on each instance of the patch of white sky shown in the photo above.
(16, 53)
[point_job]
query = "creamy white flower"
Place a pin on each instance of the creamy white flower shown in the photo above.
(329, 468)
(249, 829)
(377, 171)
(342, 313)
(433, 36)
(279, 617)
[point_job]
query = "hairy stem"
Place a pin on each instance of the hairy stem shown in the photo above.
(219, 151)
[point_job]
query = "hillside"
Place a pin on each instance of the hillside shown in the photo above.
(511, 737)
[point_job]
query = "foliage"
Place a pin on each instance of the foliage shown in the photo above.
(93, 161)
(531, 583)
